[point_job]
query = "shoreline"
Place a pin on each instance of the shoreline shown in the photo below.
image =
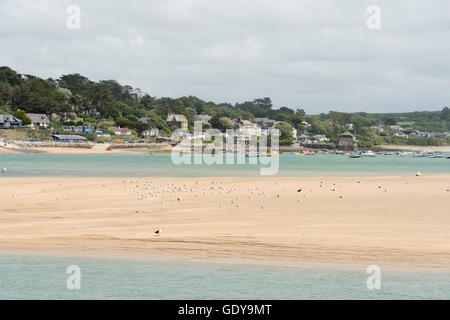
(237, 261)
(102, 149)
(403, 224)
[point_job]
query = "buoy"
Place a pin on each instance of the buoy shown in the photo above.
(4, 170)
(418, 174)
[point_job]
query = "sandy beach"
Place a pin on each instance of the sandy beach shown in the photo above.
(413, 148)
(382, 220)
(98, 148)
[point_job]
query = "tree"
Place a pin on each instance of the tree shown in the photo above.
(445, 114)
(285, 132)
(6, 92)
(221, 123)
(21, 115)
(10, 76)
(390, 121)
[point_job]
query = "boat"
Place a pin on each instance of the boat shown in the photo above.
(252, 154)
(368, 153)
(305, 153)
(436, 156)
(355, 155)
(420, 154)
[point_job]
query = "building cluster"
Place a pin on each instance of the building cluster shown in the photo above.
(245, 129)
(398, 131)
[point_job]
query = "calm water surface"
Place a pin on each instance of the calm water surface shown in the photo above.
(39, 277)
(146, 165)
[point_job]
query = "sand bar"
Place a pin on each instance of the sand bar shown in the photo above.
(383, 220)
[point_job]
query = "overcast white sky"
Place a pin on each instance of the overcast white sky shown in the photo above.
(312, 54)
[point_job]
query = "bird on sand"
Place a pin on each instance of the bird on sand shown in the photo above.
(299, 190)
(159, 231)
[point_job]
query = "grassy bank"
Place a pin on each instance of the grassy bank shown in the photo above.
(26, 134)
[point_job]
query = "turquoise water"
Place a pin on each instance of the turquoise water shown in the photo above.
(144, 165)
(38, 277)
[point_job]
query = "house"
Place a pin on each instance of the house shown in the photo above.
(8, 121)
(320, 138)
(102, 134)
(247, 128)
(68, 138)
(120, 131)
(39, 120)
(76, 129)
(347, 142)
(306, 124)
(303, 138)
(396, 128)
(153, 132)
(441, 135)
(204, 118)
(63, 117)
(417, 133)
(265, 123)
(349, 126)
(377, 128)
(270, 131)
(178, 120)
(294, 134)
(145, 119)
(400, 135)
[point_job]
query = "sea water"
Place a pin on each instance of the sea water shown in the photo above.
(161, 165)
(45, 277)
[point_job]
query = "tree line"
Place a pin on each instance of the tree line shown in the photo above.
(108, 101)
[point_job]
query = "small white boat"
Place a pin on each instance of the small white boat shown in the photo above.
(436, 156)
(368, 153)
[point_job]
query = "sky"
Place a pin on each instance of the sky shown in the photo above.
(317, 55)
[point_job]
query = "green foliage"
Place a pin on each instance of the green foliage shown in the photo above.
(6, 92)
(222, 123)
(108, 101)
(285, 130)
(21, 115)
(414, 141)
(10, 76)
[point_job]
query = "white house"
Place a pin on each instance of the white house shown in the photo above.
(294, 133)
(204, 118)
(320, 138)
(153, 132)
(120, 131)
(102, 134)
(38, 120)
(396, 128)
(247, 128)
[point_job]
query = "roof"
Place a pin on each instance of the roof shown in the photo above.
(246, 123)
(177, 117)
(68, 137)
(119, 129)
(203, 117)
(145, 119)
(347, 134)
(39, 118)
(9, 118)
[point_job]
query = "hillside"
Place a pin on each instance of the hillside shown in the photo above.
(95, 103)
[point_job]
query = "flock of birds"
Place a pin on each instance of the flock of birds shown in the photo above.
(170, 191)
